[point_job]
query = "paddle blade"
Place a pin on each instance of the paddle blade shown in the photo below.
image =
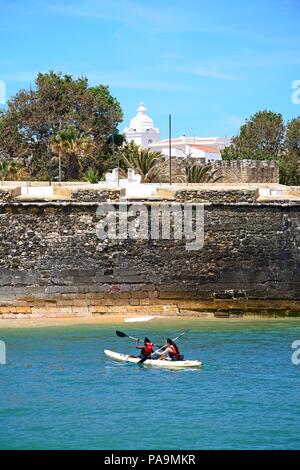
(144, 359)
(121, 334)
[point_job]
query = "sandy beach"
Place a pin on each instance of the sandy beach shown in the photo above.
(112, 319)
(45, 322)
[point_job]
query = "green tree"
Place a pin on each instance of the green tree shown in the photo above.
(145, 162)
(290, 160)
(260, 138)
(6, 167)
(111, 154)
(70, 148)
(289, 173)
(33, 117)
(293, 137)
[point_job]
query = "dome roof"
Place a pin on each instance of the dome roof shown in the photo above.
(141, 122)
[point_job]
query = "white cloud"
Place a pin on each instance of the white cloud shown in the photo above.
(21, 76)
(233, 120)
(167, 16)
(235, 66)
(133, 81)
(132, 13)
(154, 15)
(207, 71)
(113, 79)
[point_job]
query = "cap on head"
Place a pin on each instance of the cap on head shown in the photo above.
(147, 340)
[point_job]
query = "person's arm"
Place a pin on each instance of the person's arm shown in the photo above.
(166, 350)
(138, 346)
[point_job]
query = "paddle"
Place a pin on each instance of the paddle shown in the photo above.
(124, 335)
(154, 352)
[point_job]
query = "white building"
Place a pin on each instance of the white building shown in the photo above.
(198, 147)
(142, 132)
(141, 129)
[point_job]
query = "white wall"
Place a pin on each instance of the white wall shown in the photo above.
(142, 138)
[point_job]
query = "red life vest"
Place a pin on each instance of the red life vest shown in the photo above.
(148, 348)
(174, 351)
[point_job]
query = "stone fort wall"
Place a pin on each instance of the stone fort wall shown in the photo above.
(231, 171)
(52, 263)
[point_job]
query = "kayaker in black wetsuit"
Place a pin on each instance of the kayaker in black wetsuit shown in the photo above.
(146, 349)
(171, 352)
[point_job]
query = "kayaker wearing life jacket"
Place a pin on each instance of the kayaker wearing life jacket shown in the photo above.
(171, 352)
(146, 349)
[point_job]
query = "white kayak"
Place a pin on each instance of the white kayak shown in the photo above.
(152, 362)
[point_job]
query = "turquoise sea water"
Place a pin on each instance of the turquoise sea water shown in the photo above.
(58, 391)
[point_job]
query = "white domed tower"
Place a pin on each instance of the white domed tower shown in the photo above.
(141, 130)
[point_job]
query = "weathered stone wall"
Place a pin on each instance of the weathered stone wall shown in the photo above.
(217, 195)
(248, 171)
(8, 194)
(231, 171)
(178, 168)
(97, 195)
(52, 263)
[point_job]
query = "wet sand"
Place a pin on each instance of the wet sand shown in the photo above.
(113, 319)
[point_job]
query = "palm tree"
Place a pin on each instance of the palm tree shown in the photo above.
(68, 146)
(5, 168)
(14, 168)
(145, 162)
(201, 174)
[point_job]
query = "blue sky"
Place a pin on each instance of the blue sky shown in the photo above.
(209, 63)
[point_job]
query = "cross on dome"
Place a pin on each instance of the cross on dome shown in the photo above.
(141, 109)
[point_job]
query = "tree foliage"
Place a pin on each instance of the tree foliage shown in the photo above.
(260, 138)
(72, 147)
(290, 159)
(33, 117)
(265, 137)
(293, 137)
(8, 168)
(289, 170)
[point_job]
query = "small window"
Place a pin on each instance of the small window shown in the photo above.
(149, 141)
